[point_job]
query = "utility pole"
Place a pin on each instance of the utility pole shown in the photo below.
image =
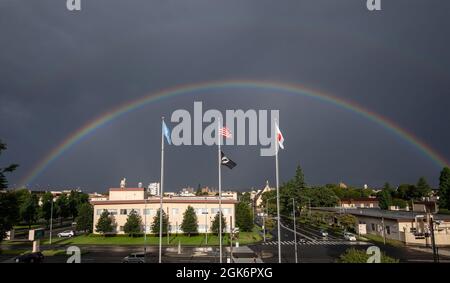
(145, 226)
(433, 242)
(384, 230)
(231, 239)
(264, 228)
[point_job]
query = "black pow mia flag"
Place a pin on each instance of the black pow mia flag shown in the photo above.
(226, 161)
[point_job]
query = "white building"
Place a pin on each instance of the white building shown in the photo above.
(153, 189)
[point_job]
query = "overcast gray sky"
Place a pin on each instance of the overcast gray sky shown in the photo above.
(59, 70)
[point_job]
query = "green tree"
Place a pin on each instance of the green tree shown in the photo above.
(422, 188)
(405, 191)
(353, 255)
(444, 188)
(133, 226)
(347, 221)
(62, 207)
(84, 218)
(385, 196)
(9, 213)
(245, 198)
(9, 208)
(215, 227)
(299, 178)
(46, 207)
(401, 203)
(7, 169)
(244, 219)
(75, 200)
(268, 198)
(155, 224)
(189, 225)
(105, 223)
(29, 210)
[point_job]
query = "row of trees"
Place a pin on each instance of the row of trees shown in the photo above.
(65, 206)
(330, 194)
(22, 206)
(134, 226)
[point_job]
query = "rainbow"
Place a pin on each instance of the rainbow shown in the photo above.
(133, 105)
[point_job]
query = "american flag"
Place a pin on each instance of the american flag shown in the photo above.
(225, 132)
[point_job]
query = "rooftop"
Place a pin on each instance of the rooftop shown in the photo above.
(379, 213)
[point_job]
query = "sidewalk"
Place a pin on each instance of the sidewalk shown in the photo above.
(441, 251)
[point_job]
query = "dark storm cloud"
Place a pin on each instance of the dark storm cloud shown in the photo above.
(59, 70)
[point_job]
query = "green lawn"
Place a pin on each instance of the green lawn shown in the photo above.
(197, 240)
(45, 252)
(379, 240)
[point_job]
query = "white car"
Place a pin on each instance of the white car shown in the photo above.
(66, 234)
(349, 237)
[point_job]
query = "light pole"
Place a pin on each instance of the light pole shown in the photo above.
(295, 230)
(206, 222)
(145, 227)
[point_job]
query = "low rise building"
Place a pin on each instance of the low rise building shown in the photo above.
(122, 201)
(409, 227)
(359, 203)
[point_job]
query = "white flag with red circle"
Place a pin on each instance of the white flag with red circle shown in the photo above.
(279, 135)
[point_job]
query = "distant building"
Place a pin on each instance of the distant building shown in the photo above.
(256, 197)
(425, 206)
(121, 201)
(359, 202)
(342, 185)
(409, 227)
(153, 189)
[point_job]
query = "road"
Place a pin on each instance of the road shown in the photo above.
(317, 249)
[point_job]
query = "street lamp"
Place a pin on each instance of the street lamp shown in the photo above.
(145, 227)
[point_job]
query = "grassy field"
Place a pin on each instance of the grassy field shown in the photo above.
(379, 240)
(20, 252)
(197, 240)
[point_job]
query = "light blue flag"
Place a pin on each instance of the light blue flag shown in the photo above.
(166, 132)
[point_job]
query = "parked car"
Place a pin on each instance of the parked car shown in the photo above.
(134, 258)
(324, 233)
(68, 233)
(36, 257)
(349, 236)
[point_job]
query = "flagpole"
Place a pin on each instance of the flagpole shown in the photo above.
(278, 197)
(220, 191)
(161, 190)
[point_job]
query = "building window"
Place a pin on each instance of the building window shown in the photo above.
(149, 211)
(226, 210)
(373, 226)
(137, 210)
(174, 211)
(121, 228)
(112, 211)
(123, 212)
(388, 230)
(99, 211)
